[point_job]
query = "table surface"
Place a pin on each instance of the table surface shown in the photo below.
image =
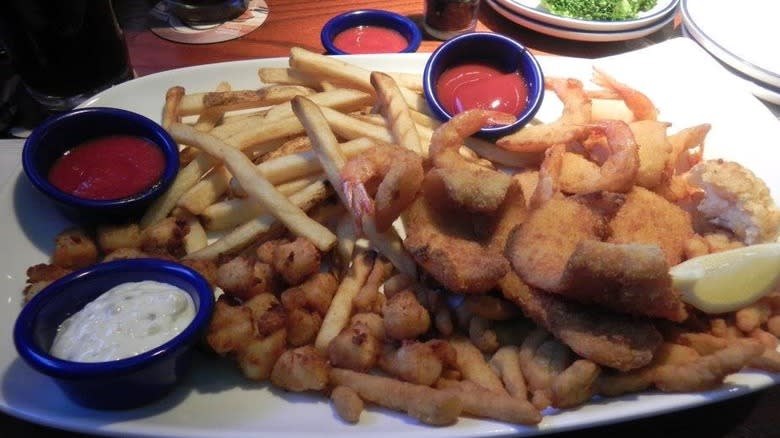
(750, 416)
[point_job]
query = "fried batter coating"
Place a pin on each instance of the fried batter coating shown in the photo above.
(257, 358)
(668, 226)
(231, 326)
(355, 348)
(735, 199)
(604, 337)
(296, 260)
(440, 241)
(165, 237)
(405, 317)
(575, 385)
(347, 403)
(541, 246)
(708, 371)
(244, 277)
(414, 361)
(115, 236)
(301, 369)
(628, 278)
(74, 248)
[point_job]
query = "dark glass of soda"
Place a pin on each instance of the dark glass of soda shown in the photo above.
(64, 51)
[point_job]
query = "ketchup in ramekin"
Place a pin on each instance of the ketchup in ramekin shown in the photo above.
(110, 167)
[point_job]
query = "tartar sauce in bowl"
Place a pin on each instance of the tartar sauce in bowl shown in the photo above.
(127, 320)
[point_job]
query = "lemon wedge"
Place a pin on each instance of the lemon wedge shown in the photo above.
(728, 280)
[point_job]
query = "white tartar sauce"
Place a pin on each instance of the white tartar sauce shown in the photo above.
(127, 320)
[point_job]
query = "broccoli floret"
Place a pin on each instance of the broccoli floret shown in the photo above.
(606, 10)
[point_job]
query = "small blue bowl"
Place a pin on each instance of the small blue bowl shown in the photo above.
(494, 49)
(62, 132)
(119, 384)
(370, 17)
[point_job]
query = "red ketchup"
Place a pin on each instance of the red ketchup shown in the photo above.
(370, 39)
(473, 85)
(110, 167)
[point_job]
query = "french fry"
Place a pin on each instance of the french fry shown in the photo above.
(196, 238)
(342, 99)
(295, 219)
(206, 191)
(232, 212)
(332, 160)
(340, 308)
(345, 73)
(210, 117)
(224, 101)
(263, 225)
(429, 405)
(396, 111)
(172, 108)
(287, 76)
(186, 178)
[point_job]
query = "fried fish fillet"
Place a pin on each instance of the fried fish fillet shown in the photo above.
(646, 217)
(602, 336)
(628, 278)
(440, 240)
(540, 247)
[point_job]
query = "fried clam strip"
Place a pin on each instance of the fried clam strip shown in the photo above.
(295, 219)
(628, 278)
(346, 73)
(333, 160)
(429, 405)
(602, 336)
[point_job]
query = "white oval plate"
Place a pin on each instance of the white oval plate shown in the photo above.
(743, 35)
(534, 10)
(578, 35)
(217, 402)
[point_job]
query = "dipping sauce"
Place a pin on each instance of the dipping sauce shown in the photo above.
(370, 39)
(129, 319)
(110, 167)
(474, 85)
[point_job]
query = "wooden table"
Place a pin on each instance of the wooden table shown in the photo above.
(297, 23)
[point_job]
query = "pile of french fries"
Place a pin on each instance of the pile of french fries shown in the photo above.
(260, 164)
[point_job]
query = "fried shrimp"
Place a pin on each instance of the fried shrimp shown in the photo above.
(382, 182)
(568, 128)
(469, 184)
(639, 104)
(611, 146)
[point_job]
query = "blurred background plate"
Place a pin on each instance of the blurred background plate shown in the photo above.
(579, 35)
(741, 34)
(533, 10)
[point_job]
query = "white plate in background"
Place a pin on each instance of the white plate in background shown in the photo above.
(216, 402)
(534, 10)
(575, 34)
(742, 34)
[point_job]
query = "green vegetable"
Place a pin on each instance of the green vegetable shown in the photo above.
(605, 10)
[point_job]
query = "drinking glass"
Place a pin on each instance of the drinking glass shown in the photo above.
(64, 51)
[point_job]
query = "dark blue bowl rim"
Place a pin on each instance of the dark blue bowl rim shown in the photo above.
(65, 369)
(167, 144)
(536, 93)
(393, 20)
